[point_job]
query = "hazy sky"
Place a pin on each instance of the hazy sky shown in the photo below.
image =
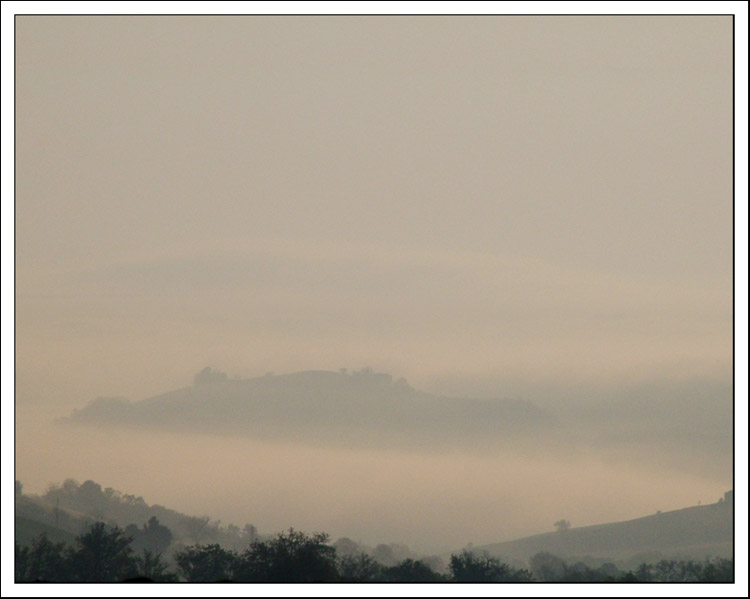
(538, 199)
(537, 196)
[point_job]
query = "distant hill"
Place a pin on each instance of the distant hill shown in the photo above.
(358, 407)
(689, 533)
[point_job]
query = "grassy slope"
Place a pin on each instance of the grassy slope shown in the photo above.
(693, 532)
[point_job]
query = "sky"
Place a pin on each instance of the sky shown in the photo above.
(483, 205)
(534, 196)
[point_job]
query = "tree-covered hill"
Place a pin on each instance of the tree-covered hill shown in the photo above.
(70, 508)
(357, 407)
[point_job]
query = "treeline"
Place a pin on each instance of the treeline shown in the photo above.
(106, 554)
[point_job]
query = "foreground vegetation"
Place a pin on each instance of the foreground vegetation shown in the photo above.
(106, 554)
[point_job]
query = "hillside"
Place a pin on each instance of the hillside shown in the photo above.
(27, 530)
(689, 533)
(693, 533)
(66, 511)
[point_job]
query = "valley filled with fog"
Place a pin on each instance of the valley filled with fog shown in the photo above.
(420, 280)
(434, 488)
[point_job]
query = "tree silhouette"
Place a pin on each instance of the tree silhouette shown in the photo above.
(151, 537)
(562, 525)
(42, 561)
(103, 555)
(195, 526)
(290, 557)
(718, 569)
(209, 563)
(410, 570)
(345, 546)
(547, 567)
(208, 376)
(468, 567)
(152, 566)
(359, 568)
(249, 533)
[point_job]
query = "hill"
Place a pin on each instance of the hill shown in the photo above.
(358, 407)
(68, 510)
(690, 533)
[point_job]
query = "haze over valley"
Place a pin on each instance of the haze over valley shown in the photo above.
(420, 280)
(360, 455)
